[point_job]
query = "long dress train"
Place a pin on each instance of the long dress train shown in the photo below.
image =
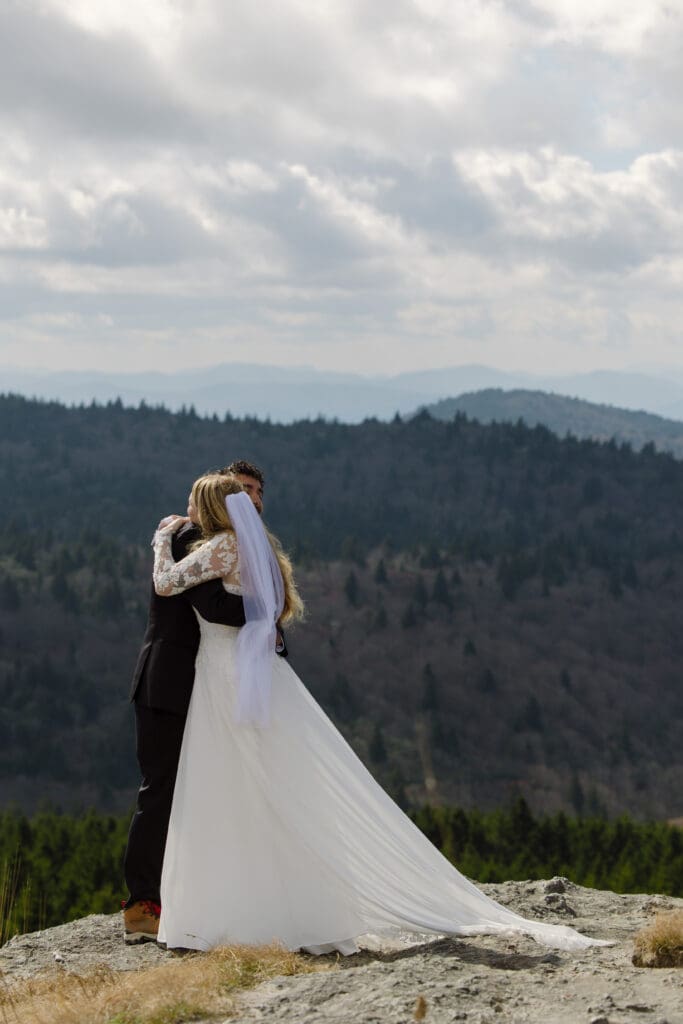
(280, 833)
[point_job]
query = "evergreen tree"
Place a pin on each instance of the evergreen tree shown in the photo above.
(592, 490)
(576, 795)
(431, 558)
(615, 587)
(351, 589)
(380, 575)
(409, 618)
(487, 681)
(110, 597)
(441, 594)
(430, 695)
(341, 700)
(630, 574)
(530, 717)
(380, 620)
(396, 787)
(10, 595)
(377, 750)
(352, 551)
(420, 596)
(63, 593)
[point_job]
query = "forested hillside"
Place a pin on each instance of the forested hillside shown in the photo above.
(565, 415)
(492, 610)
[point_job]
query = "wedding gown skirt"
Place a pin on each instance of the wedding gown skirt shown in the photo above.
(280, 833)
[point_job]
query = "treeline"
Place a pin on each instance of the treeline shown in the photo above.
(55, 868)
(621, 855)
(521, 498)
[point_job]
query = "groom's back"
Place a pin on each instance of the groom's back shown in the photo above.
(164, 673)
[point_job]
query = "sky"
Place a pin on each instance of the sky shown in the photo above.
(362, 185)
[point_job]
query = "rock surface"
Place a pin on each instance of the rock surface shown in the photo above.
(477, 981)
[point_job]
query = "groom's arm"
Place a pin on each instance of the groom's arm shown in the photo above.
(215, 604)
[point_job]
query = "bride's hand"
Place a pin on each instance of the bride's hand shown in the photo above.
(170, 524)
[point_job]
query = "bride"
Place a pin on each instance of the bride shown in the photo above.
(277, 830)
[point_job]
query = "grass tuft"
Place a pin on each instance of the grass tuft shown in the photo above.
(661, 943)
(420, 1011)
(9, 880)
(183, 989)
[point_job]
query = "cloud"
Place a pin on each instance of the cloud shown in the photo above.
(591, 219)
(351, 184)
(61, 83)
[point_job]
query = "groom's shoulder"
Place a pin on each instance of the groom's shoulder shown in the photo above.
(185, 536)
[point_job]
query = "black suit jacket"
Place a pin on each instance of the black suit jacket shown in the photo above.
(164, 674)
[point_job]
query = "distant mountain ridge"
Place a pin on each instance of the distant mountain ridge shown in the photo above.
(285, 394)
(564, 416)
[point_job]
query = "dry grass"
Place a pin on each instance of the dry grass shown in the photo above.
(661, 943)
(8, 891)
(16, 901)
(420, 1011)
(183, 989)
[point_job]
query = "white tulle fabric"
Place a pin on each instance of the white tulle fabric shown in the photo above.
(263, 594)
(282, 834)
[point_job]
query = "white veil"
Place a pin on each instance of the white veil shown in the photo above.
(263, 593)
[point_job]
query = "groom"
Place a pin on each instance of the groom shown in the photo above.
(161, 690)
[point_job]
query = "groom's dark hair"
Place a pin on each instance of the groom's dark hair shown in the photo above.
(246, 469)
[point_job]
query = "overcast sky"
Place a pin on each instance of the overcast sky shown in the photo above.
(372, 186)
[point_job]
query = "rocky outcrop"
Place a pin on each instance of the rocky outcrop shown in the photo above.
(477, 981)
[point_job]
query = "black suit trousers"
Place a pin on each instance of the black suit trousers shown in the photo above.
(159, 735)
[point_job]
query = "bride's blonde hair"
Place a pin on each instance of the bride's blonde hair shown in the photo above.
(208, 497)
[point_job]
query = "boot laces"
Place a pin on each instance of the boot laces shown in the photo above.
(152, 908)
(149, 905)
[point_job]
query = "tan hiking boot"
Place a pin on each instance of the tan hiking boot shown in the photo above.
(141, 921)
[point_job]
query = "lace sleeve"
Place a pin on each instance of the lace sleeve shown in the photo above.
(215, 559)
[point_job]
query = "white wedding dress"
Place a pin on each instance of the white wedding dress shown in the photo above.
(280, 833)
